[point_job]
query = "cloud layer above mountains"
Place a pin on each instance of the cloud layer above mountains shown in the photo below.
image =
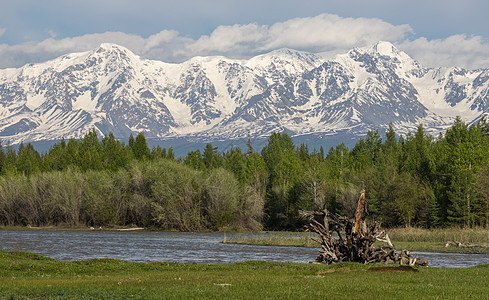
(327, 34)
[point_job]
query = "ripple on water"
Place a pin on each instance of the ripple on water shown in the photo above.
(177, 247)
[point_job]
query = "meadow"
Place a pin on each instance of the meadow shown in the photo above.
(26, 275)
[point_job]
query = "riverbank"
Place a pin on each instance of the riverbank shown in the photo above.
(413, 239)
(27, 275)
(75, 228)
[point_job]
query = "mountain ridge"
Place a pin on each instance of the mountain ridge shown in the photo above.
(216, 98)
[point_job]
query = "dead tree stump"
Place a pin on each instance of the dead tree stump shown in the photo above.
(342, 239)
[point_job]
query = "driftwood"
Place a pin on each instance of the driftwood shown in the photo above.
(465, 245)
(342, 239)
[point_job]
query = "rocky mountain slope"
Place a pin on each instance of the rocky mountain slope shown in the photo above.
(216, 98)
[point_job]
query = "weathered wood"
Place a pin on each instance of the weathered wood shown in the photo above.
(354, 240)
(465, 245)
(360, 213)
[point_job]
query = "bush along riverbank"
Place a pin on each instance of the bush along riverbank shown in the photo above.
(411, 180)
(27, 275)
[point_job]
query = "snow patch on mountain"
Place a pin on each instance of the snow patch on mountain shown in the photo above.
(216, 98)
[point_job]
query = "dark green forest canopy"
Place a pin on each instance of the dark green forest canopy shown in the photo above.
(412, 180)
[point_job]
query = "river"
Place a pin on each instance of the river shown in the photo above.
(201, 248)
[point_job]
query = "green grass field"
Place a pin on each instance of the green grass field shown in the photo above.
(26, 275)
(413, 239)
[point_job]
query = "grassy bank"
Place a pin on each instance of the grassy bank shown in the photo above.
(418, 239)
(276, 238)
(26, 275)
(414, 239)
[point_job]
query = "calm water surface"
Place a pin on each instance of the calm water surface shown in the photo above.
(177, 247)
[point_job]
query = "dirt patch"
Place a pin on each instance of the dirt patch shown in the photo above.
(342, 270)
(393, 269)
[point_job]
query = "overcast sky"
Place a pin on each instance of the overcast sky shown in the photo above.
(435, 32)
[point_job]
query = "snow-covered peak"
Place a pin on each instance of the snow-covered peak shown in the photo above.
(113, 89)
(113, 53)
(379, 49)
(111, 47)
(387, 49)
(381, 57)
(291, 60)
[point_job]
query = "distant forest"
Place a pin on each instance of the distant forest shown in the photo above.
(412, 180)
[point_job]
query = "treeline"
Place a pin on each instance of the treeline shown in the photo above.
(412, 180)
(98, 183)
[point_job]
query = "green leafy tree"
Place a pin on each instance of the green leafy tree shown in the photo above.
(177, 196)
(314, 185)
(221, 197)
(235, 162)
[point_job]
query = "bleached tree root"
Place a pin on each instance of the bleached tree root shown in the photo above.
(342, 239)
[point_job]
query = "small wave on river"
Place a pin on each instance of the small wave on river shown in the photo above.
(201, 248)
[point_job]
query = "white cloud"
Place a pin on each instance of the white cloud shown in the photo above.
(228, 39)
(456, 50)
(165, 45)
(316, 34)
(2, 31)
(159, 39)
(325, 33)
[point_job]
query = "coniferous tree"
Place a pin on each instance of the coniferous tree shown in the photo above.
(140, 148)
(284, 169)
(28, 160)
(212, 158)
(170, 155)
(114, 155)
(2, 159)
(194, 160)
(10, 159)
(372, 144)
(57, 158)
(130, 142)
(90, 154)
(158, 153)
(467, 150)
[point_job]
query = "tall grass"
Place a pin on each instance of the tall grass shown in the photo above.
(440, 235)
(296, 239)
(414, 239)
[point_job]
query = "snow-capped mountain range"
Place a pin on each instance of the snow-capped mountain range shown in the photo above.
(216, 98)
